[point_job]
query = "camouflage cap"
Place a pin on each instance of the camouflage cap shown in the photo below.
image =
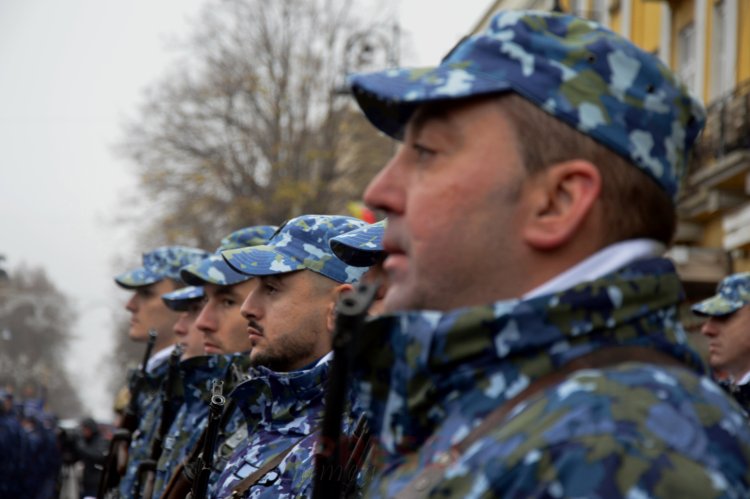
(164, 262)
(575, 69)
(361, 247)
(214, 270)
(301, 243)
(732, 294)
(181, 299)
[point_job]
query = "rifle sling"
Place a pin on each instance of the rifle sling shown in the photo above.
(254, 477)
(421, 484)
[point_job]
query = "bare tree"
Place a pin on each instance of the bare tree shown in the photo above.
(35, 327)
(250, 130)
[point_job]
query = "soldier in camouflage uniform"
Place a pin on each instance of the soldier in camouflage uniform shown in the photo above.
(158, 275)
(224, 341)
(290, 316)
(188, 303)
(527, 211)
(728, 333)
(364, 248)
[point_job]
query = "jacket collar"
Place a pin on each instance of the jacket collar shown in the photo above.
(412, 369)
(289, 403)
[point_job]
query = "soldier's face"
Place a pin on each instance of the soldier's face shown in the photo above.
(220, 321)
(147, 311)
(187, 332)
(453, 196)
(288, 319)
(729, 342)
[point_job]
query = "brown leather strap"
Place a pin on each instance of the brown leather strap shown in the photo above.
(254, 477)
(422, 483)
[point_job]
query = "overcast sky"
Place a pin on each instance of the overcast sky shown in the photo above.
(71, 72)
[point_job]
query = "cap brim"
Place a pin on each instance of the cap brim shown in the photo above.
(261, 260)
(212, 270)
(182, 298)
(137, 278)
(717, 306)
(354, 256)
(389, 98)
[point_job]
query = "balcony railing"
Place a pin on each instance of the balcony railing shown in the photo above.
(727, 128)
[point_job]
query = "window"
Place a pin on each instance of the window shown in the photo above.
(719, 78)
(686, 56)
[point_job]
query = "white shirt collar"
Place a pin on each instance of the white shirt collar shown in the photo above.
(158, 358)
(744, 379)
(602, 262)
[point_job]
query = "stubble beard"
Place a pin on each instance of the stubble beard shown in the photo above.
(285, 356)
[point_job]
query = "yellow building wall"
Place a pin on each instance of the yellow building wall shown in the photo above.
(713, 234)
(743, 43)
(682, 15)
(646, 25)
(615, 17)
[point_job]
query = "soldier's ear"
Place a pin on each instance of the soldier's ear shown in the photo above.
(331, 312)
(559, 202)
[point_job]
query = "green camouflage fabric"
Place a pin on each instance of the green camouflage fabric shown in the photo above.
(214, 270)
(281, 410)
(576, 70)
(732, 294)
(361, 247)
(632, 430)
(197, 376)
(301, 243)
(149, 412)
(161, 263)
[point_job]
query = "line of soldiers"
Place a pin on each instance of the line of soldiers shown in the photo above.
(528, 344)
(255, 318)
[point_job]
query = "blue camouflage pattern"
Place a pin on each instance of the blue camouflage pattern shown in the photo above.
(281, 410)
(361, 247)
(575, 69)
(181, 299)
(149, 412)
(632, 430)
(161, 263)
(301, 243)
(214, 270)
(732, 293)
(197, 376)
(230, 439)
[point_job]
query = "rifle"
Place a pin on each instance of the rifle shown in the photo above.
(117, 457)
(205, 461)
(146, 473)
(351, 311)
(130, 418)
(183, 477)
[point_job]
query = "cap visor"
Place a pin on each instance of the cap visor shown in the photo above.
(181, 299)
(716, 306)
(260, 260)
(137, 278)
(388, 98)
(212, 270)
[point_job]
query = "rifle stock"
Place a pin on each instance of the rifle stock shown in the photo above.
(351, 311)
(205, 461)
(130, 418)
(114, 467)
(117, 457)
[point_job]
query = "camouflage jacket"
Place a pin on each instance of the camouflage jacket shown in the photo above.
(281, 410)
(197, 375)
(149, 414)
(628, 430)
